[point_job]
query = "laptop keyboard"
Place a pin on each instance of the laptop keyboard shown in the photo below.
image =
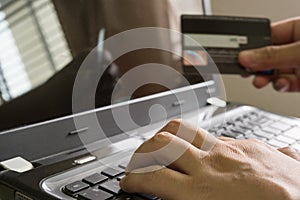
(274, 130)
(103, 186)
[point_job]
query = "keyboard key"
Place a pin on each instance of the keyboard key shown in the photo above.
(292, 122)
(240, 128)
(123, 165)
(227, 127)
(111, 186)
(94, 194)
(260, 120)
(121, 177)
(139, 198)
(281, 126)
(220, 131)
(273, 116)
(214, 129)
(293, 133)
(244, 126)
(229, 134)
(95, 179)
(237, 130)
(112, 172)
(266, 123)
(277, 144)
(239, 119)
(252, 136)
(285, 139)
(296, 146)
(148, 196)
(240, 137)
(230, 123)
(272, 130)
(263, 134)
(254, 113)
(253, 117)
(75, 187)
(127, 197)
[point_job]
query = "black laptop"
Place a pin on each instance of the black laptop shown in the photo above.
(71, 158)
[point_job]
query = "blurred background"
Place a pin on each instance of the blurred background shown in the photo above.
(40, 38)
(33, 46)
(44, 42)
(241, 90)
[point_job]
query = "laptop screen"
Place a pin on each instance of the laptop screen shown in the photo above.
(44, 44)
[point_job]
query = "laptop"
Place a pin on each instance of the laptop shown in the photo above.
(73, 159)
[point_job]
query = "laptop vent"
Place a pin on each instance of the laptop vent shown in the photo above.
(20, 196)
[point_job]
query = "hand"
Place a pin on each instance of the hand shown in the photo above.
(284, 57)
(233, 169)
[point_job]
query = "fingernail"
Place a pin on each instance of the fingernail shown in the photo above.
(248, 59)
(281, 87)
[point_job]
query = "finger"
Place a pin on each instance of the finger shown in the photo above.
(286, 31)
(164, 183)
(262, 81)
(282, 84)
(287, 71)
(194, 135)
(286, 83)
(293, 153)
(245, 76)
(272, 57)
(165, 149)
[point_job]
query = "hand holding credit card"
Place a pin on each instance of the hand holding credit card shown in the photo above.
(211, 41)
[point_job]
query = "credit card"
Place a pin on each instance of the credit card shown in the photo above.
(211, 44)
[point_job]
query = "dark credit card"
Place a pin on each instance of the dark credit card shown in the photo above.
(211, 44)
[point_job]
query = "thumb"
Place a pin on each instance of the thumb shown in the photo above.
(272, 57)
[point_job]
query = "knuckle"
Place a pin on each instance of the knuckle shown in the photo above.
(269, 55)
(254, 146)
(161, 138)
(233, 149)
(174, 123)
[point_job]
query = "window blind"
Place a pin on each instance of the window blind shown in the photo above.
(32, 46)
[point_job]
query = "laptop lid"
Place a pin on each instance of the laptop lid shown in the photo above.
(63, 132)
